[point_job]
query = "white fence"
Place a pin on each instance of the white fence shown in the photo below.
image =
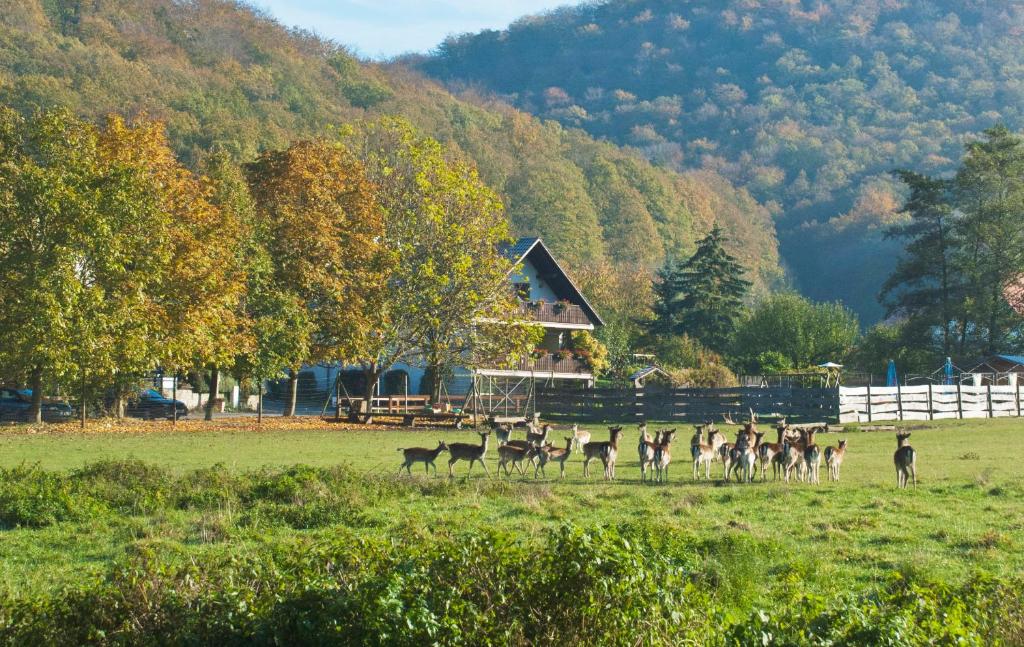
(928, 402)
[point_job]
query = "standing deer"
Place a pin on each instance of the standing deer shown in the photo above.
(502, 433)
(607, 451)
(703, 454)
(812, 458)
(834, 460)
(558, 455)
(422, 455)
(645, 449)
(793, 457)
(535, 438)
(768, 452)
(514, 455)
(905, 459)
(469, 452)
(663, 454)
(580, 437)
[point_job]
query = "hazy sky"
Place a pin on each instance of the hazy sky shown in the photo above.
(382, 28)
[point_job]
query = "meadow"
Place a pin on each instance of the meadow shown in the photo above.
(80, 510)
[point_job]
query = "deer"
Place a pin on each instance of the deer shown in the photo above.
(580, 437)
(550, 453)
(768, 452)
(422, 455)
(905, 460)
(663, 454)
(607, 451)
(514, 455)
(469, 452)
(645, 449)
(535, 438)
(834, 460)
(703, 454)
(812, 458)
(742, 454)
(503, 433)
(793, 457)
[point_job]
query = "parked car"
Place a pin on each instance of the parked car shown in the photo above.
(16, 406)
(152, 404)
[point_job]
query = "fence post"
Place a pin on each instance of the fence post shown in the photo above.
(991, 414)
(959, 402)
(931, 410)
(1016, 393)
(899, 399)
(870, 416)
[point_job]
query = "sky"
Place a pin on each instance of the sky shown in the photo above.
(384, 28)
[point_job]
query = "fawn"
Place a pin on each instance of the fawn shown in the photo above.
(580, 437)
(834, 460)
(607, 451)
(422, 455)
(663, 454)
(905, 459)
(558, 455)
(703, 453)
(469, 452)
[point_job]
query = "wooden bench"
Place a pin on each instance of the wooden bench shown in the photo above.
(409, 419)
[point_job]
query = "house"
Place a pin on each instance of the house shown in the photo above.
(548, 296)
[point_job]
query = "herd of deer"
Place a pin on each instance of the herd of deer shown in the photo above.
(795, 454)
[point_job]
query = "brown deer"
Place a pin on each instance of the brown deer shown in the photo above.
(550, 453)
(535, 438)
(742, 456)
(607, 451)
(793, 457)
(502, 433)
(703, 454)
(834, 460)
(663, 454)
(514, 455)
(812, 458)
(469, 452)
(422, 455)
(768, 451)
(645, 449)
(905, 459)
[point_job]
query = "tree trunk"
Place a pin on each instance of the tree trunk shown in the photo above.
(259, 402)
(372, 375)
(36, 412)
(293, 393)
(119, 404)
(214, 392)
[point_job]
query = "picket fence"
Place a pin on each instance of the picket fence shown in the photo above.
(928, 402)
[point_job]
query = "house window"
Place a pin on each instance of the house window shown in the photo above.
(523, 291)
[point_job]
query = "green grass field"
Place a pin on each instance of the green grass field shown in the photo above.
(964, 517)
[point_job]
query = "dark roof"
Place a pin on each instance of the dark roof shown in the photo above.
(545, 262)
(1017, 361)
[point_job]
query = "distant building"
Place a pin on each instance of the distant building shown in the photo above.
(999, 369)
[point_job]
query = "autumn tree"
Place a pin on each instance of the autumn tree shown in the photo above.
(322, 231)
(446, 300)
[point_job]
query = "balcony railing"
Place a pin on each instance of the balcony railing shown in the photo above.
(563, 313)
(553, 364)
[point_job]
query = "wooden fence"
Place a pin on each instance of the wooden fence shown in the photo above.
(688, 405)
(928, 402)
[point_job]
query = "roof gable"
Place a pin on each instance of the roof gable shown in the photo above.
(536, 252)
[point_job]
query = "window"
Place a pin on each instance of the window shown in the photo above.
(523, 291)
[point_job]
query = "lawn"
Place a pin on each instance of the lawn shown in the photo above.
(965, 517)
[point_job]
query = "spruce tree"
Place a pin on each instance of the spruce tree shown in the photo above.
(702, 297)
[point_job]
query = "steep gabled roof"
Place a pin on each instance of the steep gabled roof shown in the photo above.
(541, 257)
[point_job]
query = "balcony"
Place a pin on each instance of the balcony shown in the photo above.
(551, 364)
(568, 314)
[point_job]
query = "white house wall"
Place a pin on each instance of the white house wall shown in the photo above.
(539, 290)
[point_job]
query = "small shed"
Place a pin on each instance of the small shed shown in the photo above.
(999, 369)
(640, 377)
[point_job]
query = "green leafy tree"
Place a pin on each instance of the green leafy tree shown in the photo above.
(702, 297)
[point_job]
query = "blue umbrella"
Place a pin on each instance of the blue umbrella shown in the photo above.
(947, 370)
(890, 375)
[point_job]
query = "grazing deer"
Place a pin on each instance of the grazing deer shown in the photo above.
(812, 458)
(905, 459)
(663, 454)
(549, 453)
(422, 455)
(834, 460)
(645, 449)
(703, 454)
(580, 437)
(607, 451)
(768, 451)
(514, 455)
(469, 452)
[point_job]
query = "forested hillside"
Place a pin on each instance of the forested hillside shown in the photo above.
(807, 104)
(225, 77)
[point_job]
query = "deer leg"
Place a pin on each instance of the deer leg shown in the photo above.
(484, 465)
(913, 474)
(451, 473)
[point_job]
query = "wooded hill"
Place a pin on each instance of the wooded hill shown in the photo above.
(807, 104)
(225, 77)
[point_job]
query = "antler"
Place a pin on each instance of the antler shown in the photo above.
(728, 419)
